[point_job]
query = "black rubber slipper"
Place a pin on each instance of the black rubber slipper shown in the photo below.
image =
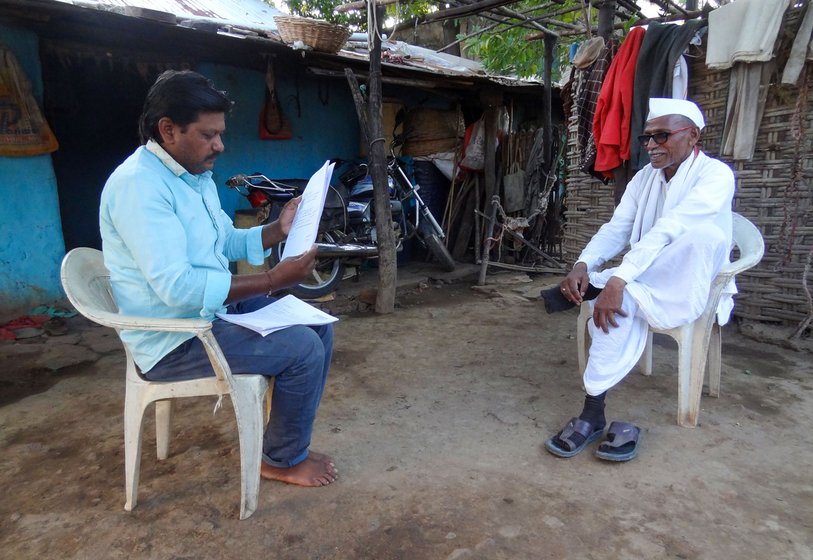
(621, 443)
(575, 426)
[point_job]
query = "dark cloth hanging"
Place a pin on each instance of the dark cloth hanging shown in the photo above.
(662, 46)
(567, 96)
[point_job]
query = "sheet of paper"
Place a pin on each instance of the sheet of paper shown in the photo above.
(306, 222)
(281, 314)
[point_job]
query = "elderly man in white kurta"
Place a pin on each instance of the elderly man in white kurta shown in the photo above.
(675, 217)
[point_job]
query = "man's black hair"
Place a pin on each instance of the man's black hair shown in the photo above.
(181, 96)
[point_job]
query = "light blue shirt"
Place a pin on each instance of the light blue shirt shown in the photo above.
(167, 244)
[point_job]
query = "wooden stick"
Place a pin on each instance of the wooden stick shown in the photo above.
(495, 202)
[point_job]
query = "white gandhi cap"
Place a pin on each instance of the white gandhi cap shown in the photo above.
(661, 106)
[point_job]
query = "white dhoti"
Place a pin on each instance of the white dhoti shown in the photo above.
(672, 292)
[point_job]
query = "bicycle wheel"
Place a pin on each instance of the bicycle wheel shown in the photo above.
(326, 275)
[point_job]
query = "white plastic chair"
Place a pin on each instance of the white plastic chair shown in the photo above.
(698, 342)
(87, 284)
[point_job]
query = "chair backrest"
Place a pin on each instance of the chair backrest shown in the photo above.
(86, 282)
(749, 241)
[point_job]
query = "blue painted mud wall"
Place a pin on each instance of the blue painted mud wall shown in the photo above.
(324, 127)
(31, 245)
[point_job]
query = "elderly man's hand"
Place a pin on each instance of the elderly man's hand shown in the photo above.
(608, 304)
(574, 286)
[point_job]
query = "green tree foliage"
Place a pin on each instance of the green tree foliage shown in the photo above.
(505, 51)
(357, 20)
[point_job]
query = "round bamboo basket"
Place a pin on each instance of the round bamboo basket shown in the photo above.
(317, 34)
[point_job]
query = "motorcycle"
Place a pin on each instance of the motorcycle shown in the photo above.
(347, 230)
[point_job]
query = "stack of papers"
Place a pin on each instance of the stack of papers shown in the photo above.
(283, 313)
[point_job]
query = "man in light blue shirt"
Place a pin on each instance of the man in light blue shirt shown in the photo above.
(167, 244)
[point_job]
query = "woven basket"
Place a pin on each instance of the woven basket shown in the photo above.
(317, 34)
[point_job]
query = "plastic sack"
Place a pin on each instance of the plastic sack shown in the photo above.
(513, 185)
(23, 129)
(474, 151)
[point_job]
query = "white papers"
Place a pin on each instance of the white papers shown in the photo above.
(306, 222)
(281, 314)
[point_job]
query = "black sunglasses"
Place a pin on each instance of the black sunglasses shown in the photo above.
(660, 137)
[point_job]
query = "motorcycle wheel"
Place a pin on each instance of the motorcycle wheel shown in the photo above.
(439, 251)
(326, 275)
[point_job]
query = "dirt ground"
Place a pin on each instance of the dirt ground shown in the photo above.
(436, 416)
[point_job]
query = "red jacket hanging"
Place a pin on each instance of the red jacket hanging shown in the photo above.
(611, 123)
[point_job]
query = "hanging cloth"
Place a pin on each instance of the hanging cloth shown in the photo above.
(802, 49)
(654, 74)
(23, 129)
(611, 124)
(747, 94)
(744, 31)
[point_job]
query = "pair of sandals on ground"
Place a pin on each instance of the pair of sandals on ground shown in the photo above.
(621, 442)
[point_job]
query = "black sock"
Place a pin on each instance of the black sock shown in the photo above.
(593, 410)
(555, 301)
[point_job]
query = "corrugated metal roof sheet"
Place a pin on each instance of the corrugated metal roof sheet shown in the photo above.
(252, 14)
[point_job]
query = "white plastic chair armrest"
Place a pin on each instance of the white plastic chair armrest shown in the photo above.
(129, 322)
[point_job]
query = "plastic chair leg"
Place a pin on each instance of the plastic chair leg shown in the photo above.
(715, 360)
(687, 412)
(581, 335)
(268, 395)
(247, 399)
(134, 406)
(691, 369)
(645, 361)
(163, 422)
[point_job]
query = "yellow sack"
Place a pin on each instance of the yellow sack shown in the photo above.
(23, 129)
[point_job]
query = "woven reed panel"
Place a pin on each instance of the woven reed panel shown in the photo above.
(588, 202)
(773, 188)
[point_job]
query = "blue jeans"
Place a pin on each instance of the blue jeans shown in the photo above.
(297, 358)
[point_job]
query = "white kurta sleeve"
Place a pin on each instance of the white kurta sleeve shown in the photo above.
(614, 236)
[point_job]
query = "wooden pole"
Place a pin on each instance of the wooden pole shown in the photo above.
(606, 14)
(495, 202)
(387, 265)
(550, 45)
(491, 100)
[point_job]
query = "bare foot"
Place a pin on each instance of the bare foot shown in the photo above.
(310, 472)
(321, 457)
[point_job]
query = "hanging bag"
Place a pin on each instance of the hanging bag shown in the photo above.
(514, 189)
(474, 150)
(273, 124)
(23, 129)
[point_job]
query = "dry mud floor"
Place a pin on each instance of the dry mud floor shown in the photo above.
(436, 416)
